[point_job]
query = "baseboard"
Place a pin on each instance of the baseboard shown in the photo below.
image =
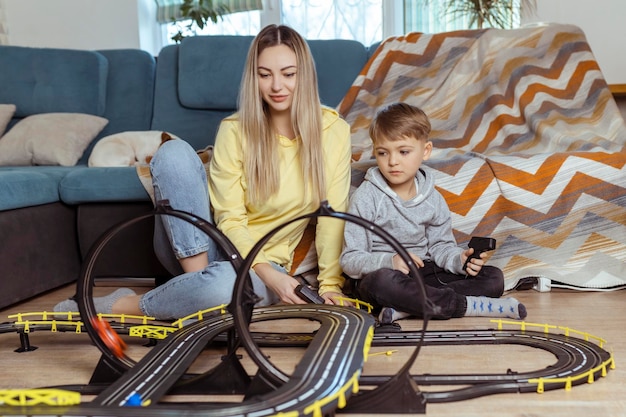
(124, 282)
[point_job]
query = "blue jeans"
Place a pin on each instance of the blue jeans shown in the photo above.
(178, 175)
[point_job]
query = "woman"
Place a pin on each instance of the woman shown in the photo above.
(274, 160)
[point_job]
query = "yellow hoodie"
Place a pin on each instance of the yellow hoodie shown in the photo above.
(245, 224)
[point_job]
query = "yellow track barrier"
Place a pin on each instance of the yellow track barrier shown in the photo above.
(200, 315)
(567, 381)
(29, 397)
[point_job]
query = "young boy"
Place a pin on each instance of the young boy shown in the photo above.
(401, 198)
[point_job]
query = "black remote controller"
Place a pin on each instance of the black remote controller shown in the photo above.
(308, 295)
(480, 245)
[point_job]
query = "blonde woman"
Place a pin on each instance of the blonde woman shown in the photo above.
(274, 160)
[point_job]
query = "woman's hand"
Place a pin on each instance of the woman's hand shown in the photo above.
(283, 285)
(400, 265)
(474, 265)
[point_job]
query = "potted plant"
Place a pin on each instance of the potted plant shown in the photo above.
(199, 12)
(491, 13)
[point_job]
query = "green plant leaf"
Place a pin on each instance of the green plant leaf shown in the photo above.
(199, 12)
(493, 13)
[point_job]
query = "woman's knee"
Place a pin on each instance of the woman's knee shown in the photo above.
(177, 155)
(178, 175)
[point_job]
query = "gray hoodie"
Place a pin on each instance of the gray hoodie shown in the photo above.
(422, 225)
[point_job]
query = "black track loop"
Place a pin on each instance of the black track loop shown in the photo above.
(84, 291)
(241, 308)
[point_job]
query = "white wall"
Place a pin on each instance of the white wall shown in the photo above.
(83, 24)
(110, 24)
(603, 24)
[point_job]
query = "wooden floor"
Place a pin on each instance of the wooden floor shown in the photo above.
(65, 358)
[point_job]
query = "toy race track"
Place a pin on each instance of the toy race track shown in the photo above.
(328, 377)
(327, 374)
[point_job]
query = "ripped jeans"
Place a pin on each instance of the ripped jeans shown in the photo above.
(178, 176)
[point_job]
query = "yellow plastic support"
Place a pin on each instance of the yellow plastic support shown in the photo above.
(358, 303)
(547, 327)
(199, 315)
(151, 332)
(30, 397)
(540, 387)
(44, 315)
(368, 343)
(386, 353)
(124, 317)
(568, 384)
(53, 324)
(315, 409)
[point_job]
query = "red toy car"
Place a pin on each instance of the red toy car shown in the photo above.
(110, 338)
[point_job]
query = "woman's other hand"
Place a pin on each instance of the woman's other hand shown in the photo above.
(283, 285)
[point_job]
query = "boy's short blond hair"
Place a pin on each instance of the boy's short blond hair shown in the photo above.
(399, 120)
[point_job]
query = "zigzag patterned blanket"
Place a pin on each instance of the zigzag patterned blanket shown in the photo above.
(530, 144)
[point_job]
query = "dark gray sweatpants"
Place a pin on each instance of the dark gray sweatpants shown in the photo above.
(445, 291)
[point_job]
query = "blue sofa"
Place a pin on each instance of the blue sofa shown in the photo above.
(50, 216)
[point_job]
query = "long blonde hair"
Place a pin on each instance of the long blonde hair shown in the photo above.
(261, 157)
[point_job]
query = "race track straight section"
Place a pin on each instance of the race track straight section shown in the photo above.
(330, 366)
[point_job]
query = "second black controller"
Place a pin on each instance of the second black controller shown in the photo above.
(308, 294)
(480, 245)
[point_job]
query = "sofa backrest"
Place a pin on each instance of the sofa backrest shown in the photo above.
(129, 93)
(42, 80)
(197, 81)
(117, 85)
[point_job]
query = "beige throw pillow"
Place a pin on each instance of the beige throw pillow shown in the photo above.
(49, 139)
(6, 113)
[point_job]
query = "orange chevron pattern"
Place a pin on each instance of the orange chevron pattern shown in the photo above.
(530, 144)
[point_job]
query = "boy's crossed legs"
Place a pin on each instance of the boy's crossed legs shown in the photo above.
(400, 294)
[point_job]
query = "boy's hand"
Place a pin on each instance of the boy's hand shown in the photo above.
(400, 265)
(474, 265)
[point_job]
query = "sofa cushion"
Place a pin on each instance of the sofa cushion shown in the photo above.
(219, 61)
(216, 60)
(27, 187)
(196, 126)
(6, 113)
(49, 139)
(102, 184)
(44, 80)
(130, 93)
